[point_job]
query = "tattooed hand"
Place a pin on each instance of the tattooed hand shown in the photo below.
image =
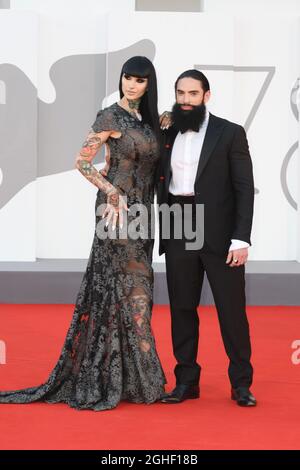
(116, 204)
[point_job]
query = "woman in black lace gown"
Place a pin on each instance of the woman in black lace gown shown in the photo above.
(109, 353)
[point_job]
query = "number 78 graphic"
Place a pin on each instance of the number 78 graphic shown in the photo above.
(270, 71)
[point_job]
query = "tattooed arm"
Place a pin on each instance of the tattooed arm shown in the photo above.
(85, 157)
(84, 160)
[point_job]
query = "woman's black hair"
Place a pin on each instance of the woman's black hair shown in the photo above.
(140, 66)
(197, 75)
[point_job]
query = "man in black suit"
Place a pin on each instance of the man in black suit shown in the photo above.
(206, 161)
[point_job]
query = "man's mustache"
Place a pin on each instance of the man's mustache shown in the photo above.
(190, 105)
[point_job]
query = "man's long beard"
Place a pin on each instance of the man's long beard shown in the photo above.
(188, 120)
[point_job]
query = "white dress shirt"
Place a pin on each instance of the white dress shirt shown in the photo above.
(184, 163)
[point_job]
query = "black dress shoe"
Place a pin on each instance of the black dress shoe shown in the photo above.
(243, 396)
(180, 393)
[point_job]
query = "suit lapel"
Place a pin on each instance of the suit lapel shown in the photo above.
(169, 142)
(213, 133)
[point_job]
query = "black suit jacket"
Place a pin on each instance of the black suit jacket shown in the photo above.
(223, 183)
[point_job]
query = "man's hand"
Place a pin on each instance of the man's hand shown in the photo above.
(237, 257)
(165, 120)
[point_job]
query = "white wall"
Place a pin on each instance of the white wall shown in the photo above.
(69, 7)
(253, 7)
(231, 7)
(210, 40)
(18, 218)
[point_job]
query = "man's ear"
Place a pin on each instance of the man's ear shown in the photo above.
(206, 96)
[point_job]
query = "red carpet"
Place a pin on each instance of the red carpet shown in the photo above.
(34, 335)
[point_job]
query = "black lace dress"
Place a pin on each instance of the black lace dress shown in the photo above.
(109, 353)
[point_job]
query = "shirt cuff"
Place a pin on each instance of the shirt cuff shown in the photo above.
(237, 244)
